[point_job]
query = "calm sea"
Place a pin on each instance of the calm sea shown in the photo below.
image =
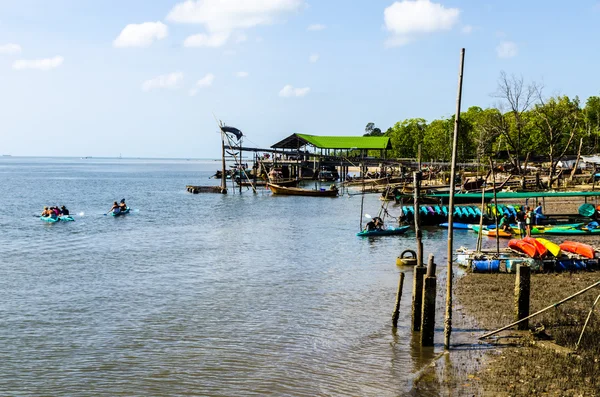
(203, 295)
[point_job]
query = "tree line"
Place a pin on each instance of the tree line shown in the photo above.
(523, 126)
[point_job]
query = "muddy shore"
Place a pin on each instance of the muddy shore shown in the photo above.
(543, 361)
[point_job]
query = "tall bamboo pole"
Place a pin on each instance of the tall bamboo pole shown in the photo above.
(448, 320)
(495, 207)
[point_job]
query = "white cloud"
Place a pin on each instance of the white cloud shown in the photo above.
(205, 81)
(507, 49)
(204, 40)
(170, 80)
(407, 18)
(141, 35)
(313, 58)
(38, 64)
(315, 27)
(241, 38)
(241, 74)
(223, 17)
(8, 49)
(289, 91)
(467, 29)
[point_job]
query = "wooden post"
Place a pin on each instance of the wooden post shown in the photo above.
(448, 317)
(396, 314)
(223, 171)
(419, 158)
(417, 216)
(428, 316)
(522, 287)
(495, 207)
(417, 296)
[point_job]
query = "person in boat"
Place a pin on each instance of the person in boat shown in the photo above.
(370, 225)
(122, 205)
(46, 212)
(64, 211)
(115, 208)
(378, 223)
(55, 212)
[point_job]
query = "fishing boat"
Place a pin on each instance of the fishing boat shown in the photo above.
(390, 231)
(295, 191)
(578, 248)
(121, 212)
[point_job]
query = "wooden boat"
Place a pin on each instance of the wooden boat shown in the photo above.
(524, 247)
(539, 247)
(384, 232)
(578, 248)
(554, 249)
(263, 183)
(294, 191)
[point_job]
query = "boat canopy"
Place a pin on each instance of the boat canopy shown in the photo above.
(518, 195)
(296, 141)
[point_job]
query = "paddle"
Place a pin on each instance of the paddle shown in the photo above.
(368, 216)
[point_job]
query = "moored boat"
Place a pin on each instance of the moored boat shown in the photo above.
(539, 247)
(491, 232)
(294, 191)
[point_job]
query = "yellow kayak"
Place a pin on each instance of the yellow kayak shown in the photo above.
(553, 248)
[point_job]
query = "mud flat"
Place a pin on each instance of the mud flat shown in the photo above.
(539, 362)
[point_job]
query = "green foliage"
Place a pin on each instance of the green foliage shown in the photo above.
(406, 136)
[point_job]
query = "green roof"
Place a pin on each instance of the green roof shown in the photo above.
(335, 142)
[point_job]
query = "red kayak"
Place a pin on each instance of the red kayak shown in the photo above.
(524, 247)
(578, 248)
(539, 247)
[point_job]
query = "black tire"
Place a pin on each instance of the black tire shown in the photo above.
(411, 252)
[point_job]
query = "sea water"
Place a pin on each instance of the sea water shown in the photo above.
(208, 294)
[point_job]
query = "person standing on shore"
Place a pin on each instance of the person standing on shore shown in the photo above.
(528, 221)
(521, 221)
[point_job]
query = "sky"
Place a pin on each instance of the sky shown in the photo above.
(142, 78)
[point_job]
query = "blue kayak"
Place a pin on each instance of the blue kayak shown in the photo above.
(63, 218)
(384, 232)
(120, 212)
(457, 225)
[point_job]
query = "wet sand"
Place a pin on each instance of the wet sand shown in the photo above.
(525, 363)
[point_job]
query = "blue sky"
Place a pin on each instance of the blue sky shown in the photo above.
(142, 79)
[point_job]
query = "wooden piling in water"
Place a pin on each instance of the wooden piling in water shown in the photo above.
(396, 314)
(522, 289)
(417, 297)
(429, 294)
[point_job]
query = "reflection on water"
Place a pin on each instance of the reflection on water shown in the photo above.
(203, 294)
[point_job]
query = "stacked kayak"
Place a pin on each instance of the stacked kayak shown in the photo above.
(575, 247)
(491, 232)
(384, 232)
(436, 214)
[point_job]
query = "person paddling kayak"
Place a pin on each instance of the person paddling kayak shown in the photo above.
(115, 208)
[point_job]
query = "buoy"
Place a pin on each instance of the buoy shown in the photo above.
(405, 260)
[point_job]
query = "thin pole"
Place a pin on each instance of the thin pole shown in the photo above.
(417, 216)
(495, 207)
(541, 311)
(586, 322)
(448, 320)
(223, 174)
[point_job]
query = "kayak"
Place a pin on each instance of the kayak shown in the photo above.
(384, 232)
(491, 232)
(121, 212)
(550, 246)
(523, 246)
(572, 230)
(457, 225)
(539, 247)
(578, 248)
(63, 218)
